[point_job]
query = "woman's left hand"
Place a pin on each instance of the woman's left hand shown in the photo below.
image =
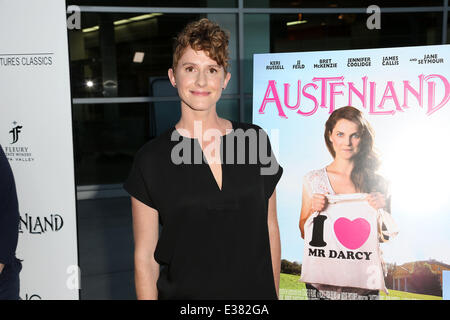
(376, 200)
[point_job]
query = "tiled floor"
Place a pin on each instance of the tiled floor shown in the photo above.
(105, 241)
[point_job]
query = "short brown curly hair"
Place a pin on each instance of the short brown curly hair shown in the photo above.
(203, 35)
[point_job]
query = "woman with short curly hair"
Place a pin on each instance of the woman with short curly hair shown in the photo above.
(219, 234)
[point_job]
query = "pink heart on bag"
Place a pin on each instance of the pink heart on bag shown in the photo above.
(352, 234)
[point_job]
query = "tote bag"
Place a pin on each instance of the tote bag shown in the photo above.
(341, 245)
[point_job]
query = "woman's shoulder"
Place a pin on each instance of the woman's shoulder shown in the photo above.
(250, 129)
(316, 181)
(245, 126)
(314, 174)
(155, 148)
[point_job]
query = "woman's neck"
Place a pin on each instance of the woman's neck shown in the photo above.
(197, 122)
(341, 166)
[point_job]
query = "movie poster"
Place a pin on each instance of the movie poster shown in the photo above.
(404, 95)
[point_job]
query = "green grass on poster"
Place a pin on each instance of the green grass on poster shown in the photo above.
(292, 289)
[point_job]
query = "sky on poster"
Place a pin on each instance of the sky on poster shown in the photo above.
(414, 145)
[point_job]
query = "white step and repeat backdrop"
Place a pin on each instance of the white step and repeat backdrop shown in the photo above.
(36, 135)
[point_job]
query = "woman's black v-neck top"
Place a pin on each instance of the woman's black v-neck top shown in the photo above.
(214, 243)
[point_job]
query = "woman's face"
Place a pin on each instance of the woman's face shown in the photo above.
(345, 138)
(199, 80)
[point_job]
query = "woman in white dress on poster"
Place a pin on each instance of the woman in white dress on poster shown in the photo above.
(350, 140)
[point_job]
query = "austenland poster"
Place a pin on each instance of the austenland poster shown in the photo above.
(36, 135)
(404, 94)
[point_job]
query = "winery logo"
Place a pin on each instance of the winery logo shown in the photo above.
(16, 151)
(15, 132)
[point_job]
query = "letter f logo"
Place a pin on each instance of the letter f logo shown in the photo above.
(15, 132)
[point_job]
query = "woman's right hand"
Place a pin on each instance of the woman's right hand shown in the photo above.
(319, 202)
(310, 204)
